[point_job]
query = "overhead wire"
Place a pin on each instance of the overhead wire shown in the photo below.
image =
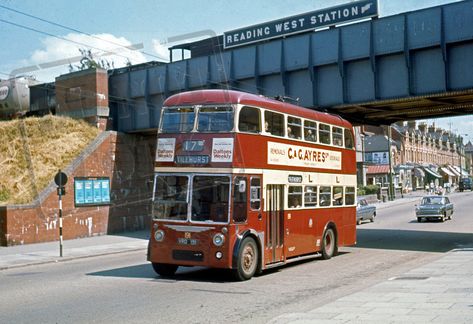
(120, 99)
(73, 29)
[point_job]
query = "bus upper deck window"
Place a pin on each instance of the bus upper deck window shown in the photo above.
(349, 142)
(310, 131)
(337, 134)
(249, 120)
(177, 120)
(215, 119)
(324, 134)
(294, 127)
(274, 123)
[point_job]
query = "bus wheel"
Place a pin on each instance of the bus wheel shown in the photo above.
(247, 260)
(329, 244)
(164, 270)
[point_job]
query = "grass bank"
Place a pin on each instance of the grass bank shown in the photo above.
(33, 149)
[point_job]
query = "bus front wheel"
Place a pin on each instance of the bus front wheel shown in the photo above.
(329, 244)
(164, 270)
(247, 262)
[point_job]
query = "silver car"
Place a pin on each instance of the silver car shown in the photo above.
(434, 207)
(364, 211)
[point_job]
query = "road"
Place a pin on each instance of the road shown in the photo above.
(122, 288)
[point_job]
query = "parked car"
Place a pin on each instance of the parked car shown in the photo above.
(434, 207)
(465, 184)
(364, 211)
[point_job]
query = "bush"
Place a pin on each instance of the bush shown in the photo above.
(371, 189)
(4, 195)
(367, 190)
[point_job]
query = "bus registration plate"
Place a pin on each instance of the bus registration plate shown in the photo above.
(186, 241)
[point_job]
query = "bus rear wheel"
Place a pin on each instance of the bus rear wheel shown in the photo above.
(247, 262)
(164, 269)
(329, 244)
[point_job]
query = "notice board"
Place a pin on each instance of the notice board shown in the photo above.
(91, 191)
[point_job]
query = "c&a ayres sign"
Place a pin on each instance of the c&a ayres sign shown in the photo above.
(302, 156)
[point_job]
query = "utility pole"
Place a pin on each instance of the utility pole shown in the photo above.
(391, 185)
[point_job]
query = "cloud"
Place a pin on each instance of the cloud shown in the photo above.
(161, 50)
(56, 54)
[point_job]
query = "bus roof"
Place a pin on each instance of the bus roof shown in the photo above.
(218, 96)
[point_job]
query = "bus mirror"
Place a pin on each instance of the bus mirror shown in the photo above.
(242, 186)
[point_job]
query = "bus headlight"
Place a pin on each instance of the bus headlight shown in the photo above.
(218, 239)
(218, 255)
(159, 235)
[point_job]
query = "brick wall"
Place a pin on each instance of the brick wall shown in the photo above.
(126, 159)
(84, 94)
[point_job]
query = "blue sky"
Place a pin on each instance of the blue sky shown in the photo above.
(147, 25)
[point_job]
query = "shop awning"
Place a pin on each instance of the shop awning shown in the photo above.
(463, 172)
(447, 171)
(455, 172)
(419, 173)
(378, 169)
(433, 173)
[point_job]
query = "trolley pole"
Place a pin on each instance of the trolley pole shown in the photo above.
(60, 179)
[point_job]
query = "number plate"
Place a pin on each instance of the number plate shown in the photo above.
(184, 241)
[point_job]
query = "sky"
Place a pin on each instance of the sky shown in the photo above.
(51, 32)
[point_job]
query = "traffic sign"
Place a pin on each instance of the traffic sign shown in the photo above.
(60, 179)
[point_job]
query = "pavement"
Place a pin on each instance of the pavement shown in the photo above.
(438, 292)
(40, 253)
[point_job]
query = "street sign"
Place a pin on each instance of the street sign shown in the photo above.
(301, 23)
(60, 179)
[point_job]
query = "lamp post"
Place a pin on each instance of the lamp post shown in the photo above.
(391, 185)
(460, 144)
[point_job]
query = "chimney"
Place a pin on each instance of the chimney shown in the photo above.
(432, 128)
(422, 127)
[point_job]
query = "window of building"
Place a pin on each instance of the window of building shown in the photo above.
(324, 134)
(349, 196)
(337, 134)
(310, 131)
(349, 142)
(255, 193)
(249, 120)
(294, 196)
(325, 196)
(310, 196)
(337, 196)
(274, 123)
(294, 128)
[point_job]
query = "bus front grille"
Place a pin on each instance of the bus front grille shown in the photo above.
(185, 255)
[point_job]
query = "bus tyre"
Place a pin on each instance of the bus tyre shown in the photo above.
(329, 244)
(164, 270)
(247, 262)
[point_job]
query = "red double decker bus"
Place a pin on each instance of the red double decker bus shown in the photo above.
(247, 183)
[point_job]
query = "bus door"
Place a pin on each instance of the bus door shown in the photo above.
(274, 237)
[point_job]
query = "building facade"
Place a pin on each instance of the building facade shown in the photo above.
(421, 155)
